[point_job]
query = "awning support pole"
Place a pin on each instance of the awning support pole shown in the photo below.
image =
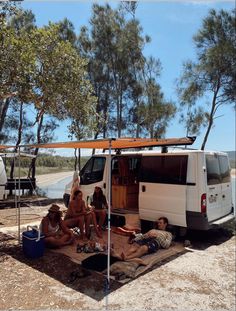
(109, 225)
(18, 203)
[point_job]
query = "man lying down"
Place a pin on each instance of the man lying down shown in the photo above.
(147, 243)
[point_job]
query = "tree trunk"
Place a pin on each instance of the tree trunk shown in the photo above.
(138, 127)
(18, 139)
(32, 169)
(3, 112)
(213, 109)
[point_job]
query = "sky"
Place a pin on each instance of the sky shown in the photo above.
(171, 26)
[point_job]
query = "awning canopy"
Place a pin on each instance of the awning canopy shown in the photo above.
(113, 143)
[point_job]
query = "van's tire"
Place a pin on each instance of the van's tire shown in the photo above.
(66, 199)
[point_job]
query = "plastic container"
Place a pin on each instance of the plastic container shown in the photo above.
(33, 242)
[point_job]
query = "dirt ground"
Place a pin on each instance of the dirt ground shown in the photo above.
(201, 278)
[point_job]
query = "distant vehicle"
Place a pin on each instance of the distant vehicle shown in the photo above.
(14, 184)
(3, 179)
(192, 188)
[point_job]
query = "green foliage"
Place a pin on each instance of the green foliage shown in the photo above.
(45, 164)
(113, 45)
(213, 73)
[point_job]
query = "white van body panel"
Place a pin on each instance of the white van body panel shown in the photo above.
(181, 202)
(3, 179)
(161, 199)
(219, 195)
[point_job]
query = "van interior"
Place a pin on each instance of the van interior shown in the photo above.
(125, 182)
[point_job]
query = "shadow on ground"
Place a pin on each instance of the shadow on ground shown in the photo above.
(92, 283)
(201, 240)
(69, 273)
(26, 201)
(61, 268)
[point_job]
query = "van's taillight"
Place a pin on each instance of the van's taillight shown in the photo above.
(203, 203)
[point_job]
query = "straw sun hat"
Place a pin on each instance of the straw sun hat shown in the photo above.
(54, 208)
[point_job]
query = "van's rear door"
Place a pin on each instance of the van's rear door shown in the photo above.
(226, 184)
(162, 188)
(219, 191)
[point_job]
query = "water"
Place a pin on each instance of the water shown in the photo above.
(55, 190)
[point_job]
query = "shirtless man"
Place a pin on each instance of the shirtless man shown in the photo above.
(149, 242)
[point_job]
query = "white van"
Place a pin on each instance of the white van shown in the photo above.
(3, 179)
(192, 188)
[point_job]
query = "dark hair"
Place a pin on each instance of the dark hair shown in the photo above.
(76, 193)
(165, 219)
(98, 194)
(58, 217)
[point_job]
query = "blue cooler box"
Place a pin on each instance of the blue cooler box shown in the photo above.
(33, 243)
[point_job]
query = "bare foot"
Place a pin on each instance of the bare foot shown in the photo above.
(114, 254)
(70, 241)
(138, 260)
(122, 256)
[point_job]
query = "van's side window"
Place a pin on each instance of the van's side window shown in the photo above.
(93, 170)
(213, 170)
(224, 169)
(164, 169)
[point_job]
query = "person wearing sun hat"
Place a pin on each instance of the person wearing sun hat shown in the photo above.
(56, 233)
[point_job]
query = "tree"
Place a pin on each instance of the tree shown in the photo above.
(16, 67)
(214, 71)
(17, 61)
(61, 88)
(156, 113)
(113, 48)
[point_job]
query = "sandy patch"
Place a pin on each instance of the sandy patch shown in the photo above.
(47, 179)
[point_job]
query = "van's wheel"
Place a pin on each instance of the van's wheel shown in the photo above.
(182, 232)
(179, 233)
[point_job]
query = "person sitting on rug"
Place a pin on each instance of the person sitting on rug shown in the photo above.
(149, 242)
(99, 203)
(78, 215)
(54, 229)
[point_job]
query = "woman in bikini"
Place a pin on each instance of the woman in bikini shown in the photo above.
(79, 216)
(54, 229)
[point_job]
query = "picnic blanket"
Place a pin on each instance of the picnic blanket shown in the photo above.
(122, 270)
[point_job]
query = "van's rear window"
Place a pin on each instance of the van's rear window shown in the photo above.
(218, 169)
(166, 169)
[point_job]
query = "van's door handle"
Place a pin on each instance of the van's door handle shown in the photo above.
(212, 188)
(143, 188)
